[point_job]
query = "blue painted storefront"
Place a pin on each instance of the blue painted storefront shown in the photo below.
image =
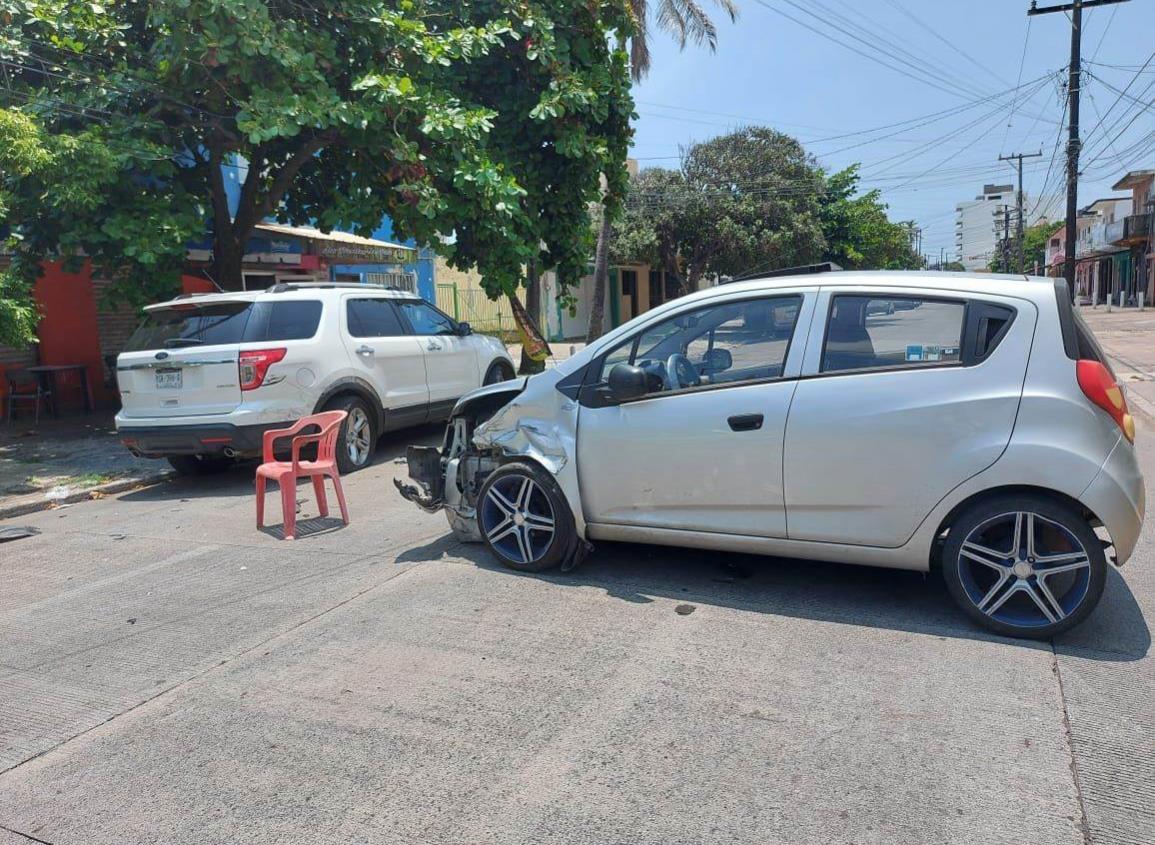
(423, 268)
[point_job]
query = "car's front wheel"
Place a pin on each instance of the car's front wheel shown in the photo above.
(1024, 566)
(358, 436)
(524, 517)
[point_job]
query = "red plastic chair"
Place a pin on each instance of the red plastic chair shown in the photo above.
(286, 473)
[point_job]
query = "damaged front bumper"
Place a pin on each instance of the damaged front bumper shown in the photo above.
(522, 420)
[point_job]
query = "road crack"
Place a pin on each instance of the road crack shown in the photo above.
(1084, 823)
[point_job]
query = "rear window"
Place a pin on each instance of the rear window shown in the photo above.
(183, 326)
(1088, 345)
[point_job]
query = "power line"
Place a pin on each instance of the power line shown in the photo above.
(850, 46)
(1022, 61)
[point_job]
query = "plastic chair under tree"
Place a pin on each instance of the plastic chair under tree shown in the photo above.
(26, 387)
(286, 473)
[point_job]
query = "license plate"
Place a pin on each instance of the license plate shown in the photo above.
(169, 379)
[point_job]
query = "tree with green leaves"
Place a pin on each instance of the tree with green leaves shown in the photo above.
(1035, 240)
(687, 22)
(490, 121)
(858, 233)
(752, 201)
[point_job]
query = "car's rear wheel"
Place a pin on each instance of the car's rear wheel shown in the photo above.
(200, 464)
(498, 371)
(358, 436)
(524, 517)
(1024, 566)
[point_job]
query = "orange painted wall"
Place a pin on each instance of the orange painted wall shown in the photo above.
(67, 330)
(195, 284)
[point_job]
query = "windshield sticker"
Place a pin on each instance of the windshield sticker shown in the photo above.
(932, 353)
(914, 352)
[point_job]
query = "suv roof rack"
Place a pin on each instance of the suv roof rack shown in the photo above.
(802, 270)
(281, 287)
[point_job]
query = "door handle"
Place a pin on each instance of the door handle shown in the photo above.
(364, 350)
(745, 422)
(433, 346)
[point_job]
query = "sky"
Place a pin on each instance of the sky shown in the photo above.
(968, 80)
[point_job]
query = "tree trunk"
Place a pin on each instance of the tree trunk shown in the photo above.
(528, 365)
(601, 277)
(227, 261)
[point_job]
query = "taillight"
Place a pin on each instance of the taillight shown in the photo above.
(253, 364)
(1101, 388)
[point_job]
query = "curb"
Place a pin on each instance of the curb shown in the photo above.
(108, 488)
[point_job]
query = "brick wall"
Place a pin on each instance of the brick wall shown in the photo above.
(114, 325)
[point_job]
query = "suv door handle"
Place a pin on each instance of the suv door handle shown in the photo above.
(433, 346)
(745, 422)
(364, 350)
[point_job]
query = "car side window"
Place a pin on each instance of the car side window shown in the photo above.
(866, 332)
(425, 319)
(730, 343)
(373, 317)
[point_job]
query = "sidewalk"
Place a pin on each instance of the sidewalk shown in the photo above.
(1128, 337)
(54, 462)
(561, 349)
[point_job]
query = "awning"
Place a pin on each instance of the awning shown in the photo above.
(342, 247)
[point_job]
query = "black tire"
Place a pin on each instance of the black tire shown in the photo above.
(545, 552)
(498, 372)
(195, 465)
(1065, 599)
(360, 425)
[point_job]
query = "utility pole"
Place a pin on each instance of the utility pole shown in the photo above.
(1005, 246)
(1076, 9)
(1018, 157)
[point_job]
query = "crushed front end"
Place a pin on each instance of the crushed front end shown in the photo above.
(523, 419)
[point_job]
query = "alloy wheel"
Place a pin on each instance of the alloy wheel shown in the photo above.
(1024, 570)
(358, 436)
(518, 519)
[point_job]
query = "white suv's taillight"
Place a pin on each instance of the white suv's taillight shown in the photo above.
(253, 364)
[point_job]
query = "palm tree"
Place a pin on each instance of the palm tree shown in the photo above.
(687, 22)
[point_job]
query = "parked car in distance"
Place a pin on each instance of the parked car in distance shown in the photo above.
(204, 376)
(981, 432)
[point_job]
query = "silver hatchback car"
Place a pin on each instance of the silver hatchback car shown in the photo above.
(911, 420)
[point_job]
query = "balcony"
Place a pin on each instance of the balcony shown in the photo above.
(1136, 228)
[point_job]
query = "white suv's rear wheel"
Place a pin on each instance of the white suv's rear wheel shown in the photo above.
(358, 437)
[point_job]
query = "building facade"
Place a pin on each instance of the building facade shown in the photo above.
(977, 223)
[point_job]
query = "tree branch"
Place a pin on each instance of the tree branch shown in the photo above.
(255, 204)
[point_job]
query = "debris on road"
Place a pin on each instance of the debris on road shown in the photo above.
(685, 609)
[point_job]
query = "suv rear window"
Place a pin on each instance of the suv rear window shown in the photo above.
(214, 323)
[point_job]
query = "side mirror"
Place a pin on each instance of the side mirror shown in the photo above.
(464, 329)
(717, 361)
(627, 381)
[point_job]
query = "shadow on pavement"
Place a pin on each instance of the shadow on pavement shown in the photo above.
(841, 593)
(238, 480)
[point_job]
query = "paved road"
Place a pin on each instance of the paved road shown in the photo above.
(169, 675)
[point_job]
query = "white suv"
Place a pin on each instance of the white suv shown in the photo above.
(206, 375)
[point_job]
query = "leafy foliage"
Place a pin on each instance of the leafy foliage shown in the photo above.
(489, 122)
(752, 201)
(1035, 240)
(858, 233)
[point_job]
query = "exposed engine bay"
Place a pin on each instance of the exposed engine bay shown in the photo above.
(523, 419)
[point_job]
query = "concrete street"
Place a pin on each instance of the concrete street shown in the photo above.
(170, 675)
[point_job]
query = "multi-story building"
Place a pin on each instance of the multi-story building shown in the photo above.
(1132, 234)
(978, 225)
(1100, 266)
